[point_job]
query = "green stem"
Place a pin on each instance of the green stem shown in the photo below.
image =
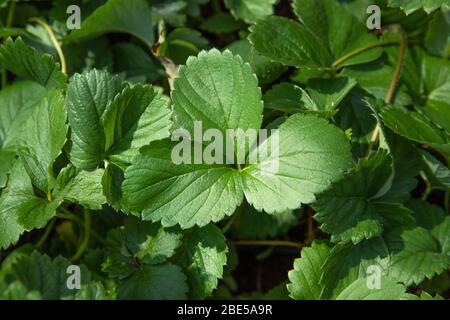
(358, 51)
(86, 236)
(46, 234)
(55, 42)
(274, 243)
(395, 78)
(67, 215)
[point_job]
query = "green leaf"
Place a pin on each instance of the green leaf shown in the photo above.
(358, 290)
(19, 189)
(44, 139)
(184, 194)
(437, 173)
(294, 165)
(16, 104)
(158, 282)
(29, 270)
(219, 90)
(338, 30)
(351, 208)
(409, 6)
(92, 291)
(413, 126)
(347, 263)
(250, 10)
(305, 277)
(203, 256)
(122, 16)
(423, 251)
(290, 43)
(137, 116)
(266, 70)
(436, 41)
(328, 93)
(288, 98)
(88, 95)
(28, 63)
(82, 187)
(7, 158)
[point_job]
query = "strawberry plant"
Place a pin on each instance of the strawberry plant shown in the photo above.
(238, 149)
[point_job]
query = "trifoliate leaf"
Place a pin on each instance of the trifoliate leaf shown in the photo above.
(16, 104)
(409, 6)
(44, 139)
(219, 90)
(28, 63)
(295, 164)
(39, 273)
(305, 277)
(203, 256)
(266, 70)
(137, 116)
(186, 194)
(250, 10)
(123, 16)
(351, 209)
(288, 42)
(157, 282)
(88, 95)
(82, 187)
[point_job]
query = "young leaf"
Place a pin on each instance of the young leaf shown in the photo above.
(82, 187)
(28, 63)
(137, 116)
(87, 97)
(130, 16)
(203, 256)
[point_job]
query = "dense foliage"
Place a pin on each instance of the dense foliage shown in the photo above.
(358, 205)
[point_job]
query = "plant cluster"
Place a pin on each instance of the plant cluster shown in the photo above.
(93, 205)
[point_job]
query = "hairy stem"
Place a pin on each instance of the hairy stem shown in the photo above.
(55, 42)
(275, 243)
